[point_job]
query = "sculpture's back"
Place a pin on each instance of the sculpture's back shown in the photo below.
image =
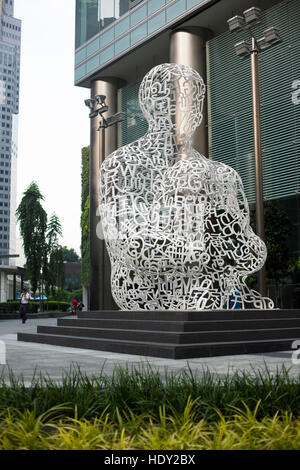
(176, 224)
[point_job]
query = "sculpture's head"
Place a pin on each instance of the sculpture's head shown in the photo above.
(171, 98)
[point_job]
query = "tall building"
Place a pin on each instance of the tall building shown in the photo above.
(143, 33)
(10, 43)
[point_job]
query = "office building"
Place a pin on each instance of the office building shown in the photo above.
(10, 43)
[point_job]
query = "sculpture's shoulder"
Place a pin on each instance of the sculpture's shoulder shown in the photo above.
(126, 155)
(224, 172)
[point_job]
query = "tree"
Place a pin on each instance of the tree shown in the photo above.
(70, 255)
(85, 244)
(278, 228)
(55, 269)
(33, 225)
(85, 210)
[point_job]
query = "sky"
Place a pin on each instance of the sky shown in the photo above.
(53, 120)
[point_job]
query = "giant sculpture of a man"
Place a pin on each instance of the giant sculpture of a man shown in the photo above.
(176, 224)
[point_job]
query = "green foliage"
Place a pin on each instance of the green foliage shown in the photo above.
(70, 255)
(75, 294)
(54, 306)
(42, 249)
(54, 275)
(295, 265)
(143, 389)
(33, 225)
(85, 209)
(85, 175)
(14, 306)
(66, 296)
(278, 228)
(34, 306)
(85, 244)
(239, 412)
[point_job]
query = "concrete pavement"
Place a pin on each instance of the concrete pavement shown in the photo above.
(27, 358)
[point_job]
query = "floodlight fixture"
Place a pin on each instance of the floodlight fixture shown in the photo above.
(236, 24)
(272, 36)
(111, 120)
(242, 49)
(252, 15)
(119, 117)
(262, 44)
(103, 109)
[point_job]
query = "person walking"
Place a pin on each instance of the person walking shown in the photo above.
(24, 302)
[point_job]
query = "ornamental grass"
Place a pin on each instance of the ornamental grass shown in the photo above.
(142, 408)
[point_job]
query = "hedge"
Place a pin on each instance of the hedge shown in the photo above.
(34, 306)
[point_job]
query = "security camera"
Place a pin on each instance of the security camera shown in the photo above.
(89, 103)
(100, 99)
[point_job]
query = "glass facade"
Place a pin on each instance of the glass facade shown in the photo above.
(94, 15)
(109, 28)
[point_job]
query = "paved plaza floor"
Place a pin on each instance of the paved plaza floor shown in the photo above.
(28, 358)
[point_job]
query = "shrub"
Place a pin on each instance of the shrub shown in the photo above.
(173, 431)
(13, 306)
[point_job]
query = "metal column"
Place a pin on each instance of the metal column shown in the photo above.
(100, 297)
(187, 47)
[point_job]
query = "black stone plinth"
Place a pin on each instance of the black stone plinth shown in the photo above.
(175, 334)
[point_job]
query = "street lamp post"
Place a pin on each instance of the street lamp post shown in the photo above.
(244, 49)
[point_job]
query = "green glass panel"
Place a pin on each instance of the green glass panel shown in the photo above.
(154, 5)
(80, 72)
(138, 33)
(122, 44)
(92, 47)
(193, 3)
(175, 10)
(87, 24)
(92, 64)
(106, 54)
(156, 22)
(138, 15)
(135, 125)
(80, 56)
(107, 37)
(122, 26)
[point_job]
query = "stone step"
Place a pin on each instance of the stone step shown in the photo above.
(171, 351)
(192, 315)
(181, 326)
(168, 337)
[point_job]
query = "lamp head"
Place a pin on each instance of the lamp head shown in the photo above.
(236, 24)
(242, 49)
(272, 36)
(252, 15)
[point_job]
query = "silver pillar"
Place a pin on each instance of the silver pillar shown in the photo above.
(102, 143)
(187, 47)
